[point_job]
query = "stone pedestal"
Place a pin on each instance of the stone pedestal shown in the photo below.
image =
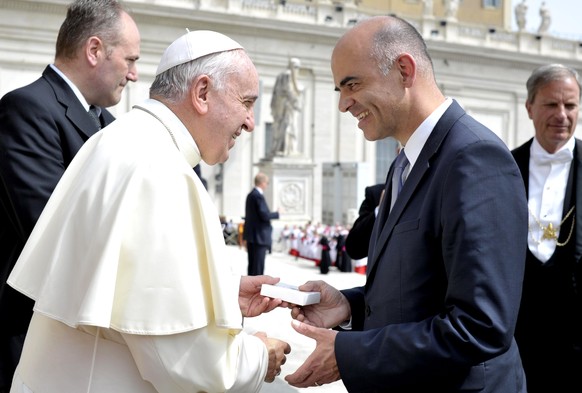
(290, 189)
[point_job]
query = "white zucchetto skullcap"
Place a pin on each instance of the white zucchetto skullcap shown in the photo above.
(194, 45)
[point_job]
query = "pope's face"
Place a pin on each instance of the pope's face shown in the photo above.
(554, 112)
(231, 112)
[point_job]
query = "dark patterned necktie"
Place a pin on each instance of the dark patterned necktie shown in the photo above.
(400, 164)
(95, 116)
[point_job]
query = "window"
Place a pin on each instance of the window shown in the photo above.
(491, 3)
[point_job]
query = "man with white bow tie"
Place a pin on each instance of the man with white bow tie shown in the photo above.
(549, 327)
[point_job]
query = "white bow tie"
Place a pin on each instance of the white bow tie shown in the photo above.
(561, 157)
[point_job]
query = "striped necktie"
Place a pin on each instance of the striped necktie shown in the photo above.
(400, 164)
(95, 116)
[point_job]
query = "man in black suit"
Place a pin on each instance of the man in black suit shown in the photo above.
(549, 325)
(257, 228)
(358, 239)
(43, 125)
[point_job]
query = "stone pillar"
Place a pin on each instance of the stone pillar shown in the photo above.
(291, 187)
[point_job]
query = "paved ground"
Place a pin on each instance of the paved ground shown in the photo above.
(277, 323)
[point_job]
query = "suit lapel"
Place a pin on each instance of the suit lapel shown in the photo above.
(578, 190)
(74, 110)
(521, 156)
(384, 228)
(382, 217)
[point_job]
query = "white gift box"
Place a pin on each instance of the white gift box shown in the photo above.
(290, 293)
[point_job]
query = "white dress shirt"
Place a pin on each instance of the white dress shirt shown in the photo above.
(548, 177)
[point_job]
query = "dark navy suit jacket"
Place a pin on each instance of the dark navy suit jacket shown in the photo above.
(444, 276)
(358, 239)
(257, 226)
(42, 126)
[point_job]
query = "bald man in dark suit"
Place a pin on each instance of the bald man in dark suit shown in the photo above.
(258, 232)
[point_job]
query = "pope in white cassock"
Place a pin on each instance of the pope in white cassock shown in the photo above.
(127, 262)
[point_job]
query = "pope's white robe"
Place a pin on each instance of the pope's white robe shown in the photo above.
(127, 266)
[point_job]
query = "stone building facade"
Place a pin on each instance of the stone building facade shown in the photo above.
(484, 65)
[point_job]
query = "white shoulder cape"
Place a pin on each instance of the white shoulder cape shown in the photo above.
(130, 238)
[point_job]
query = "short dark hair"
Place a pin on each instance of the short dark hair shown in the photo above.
(399, 37)
(87, 18)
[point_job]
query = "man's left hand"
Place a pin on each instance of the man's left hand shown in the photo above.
(321, 366)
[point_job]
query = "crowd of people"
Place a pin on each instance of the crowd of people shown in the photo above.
(311, 241)
(113, 256)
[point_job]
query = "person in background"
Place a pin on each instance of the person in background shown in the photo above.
(258, 232)
(358, 239)
(325, 261)
(127, 263)
(285, 238)
(43, 125)
(549, 326)
(446, 256)
(342, 261)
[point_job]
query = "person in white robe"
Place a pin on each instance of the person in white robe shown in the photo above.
(127, 264)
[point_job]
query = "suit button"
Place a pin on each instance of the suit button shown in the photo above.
(368, 310)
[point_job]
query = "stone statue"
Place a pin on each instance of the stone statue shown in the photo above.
(285, 106)
(546, 18)
(520, 12)
(451, 9)
(427, 8)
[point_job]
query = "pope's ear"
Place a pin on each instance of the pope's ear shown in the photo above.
(199, 93)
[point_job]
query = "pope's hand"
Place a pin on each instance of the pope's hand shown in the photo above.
(277, 350)
(250, 300)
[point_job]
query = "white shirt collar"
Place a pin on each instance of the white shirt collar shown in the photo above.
(537, 149)
(548, 179)
(77, 92)
(420, 135)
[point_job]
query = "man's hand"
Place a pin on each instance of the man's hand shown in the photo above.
(321, 366)
(332, 309)
(250, 300)
(277, 350)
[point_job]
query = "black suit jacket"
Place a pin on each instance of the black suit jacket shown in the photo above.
(358, 239)
(549, 327)
(42, 126)
(257, 226)
(444, 274)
